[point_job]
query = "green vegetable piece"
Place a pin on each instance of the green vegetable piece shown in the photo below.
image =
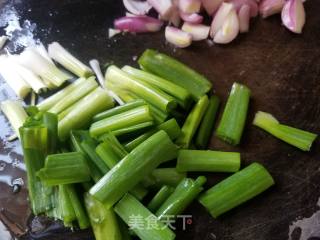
(236, 189)
(167, 176)
(234, 115)
(208, 161)
(67, 212)
(159, 198)
(296, 137)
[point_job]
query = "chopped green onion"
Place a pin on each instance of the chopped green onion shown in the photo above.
(131, 170)
(103, 221)
(167, 176)
(182, 96)
(116, 79)
(116, 145)
(13, 79)
(206, 126)
(176, 72)
(122, 120)
(294, 136)
(119, 109)
(50, 121)
(234, 115)
(187, 190)
(171, 127)
(15, 113)
(133, 129)
(79, 210)
(63, 57)
(32, 60)
(129, 207)
(106, 153)
(82, 90)
(80, 116)
(67, 212)
(64, 168)
(236, 189)
(159, 198)
(192, 122)
(208, 161)
(49, 102)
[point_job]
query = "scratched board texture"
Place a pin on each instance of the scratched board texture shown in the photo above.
(282, 70)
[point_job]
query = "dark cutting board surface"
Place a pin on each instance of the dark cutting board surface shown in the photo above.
(282, 70)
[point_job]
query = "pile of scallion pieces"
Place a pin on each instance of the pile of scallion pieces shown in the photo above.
(91, 163)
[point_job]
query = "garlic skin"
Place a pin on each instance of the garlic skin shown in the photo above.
(270, 7)
(293, 15)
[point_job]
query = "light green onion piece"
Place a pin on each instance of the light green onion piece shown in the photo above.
(159, 198)
(236, 189)
(296, 137)
(208, 161)
(62, 56)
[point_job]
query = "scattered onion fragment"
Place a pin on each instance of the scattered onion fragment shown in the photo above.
(211, 5)
(244, 18)
(191, 18)
(137, 7)
(163, 7)
(138, 24)
(198, 31)
(178, 37)
(270, 7)
(293, 15)
(112, 32)
(189, 6)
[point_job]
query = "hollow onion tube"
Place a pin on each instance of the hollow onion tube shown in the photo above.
(34, 144)
(64, 168)
(126, 119)
(187, 190)
(107, 154)
(133, 129)
(80, 116)
(62, 94)
(119, 109)
(118, 79)
(171, 127)
(159, 198)
(14, 80)
(167, 176)
(82, 90)
(103, 221)
(31, 59)
(294, 136)
(236, 189)
(116, 145)
(175, 71)
(15, 113)
(206, 126)
(208, 161)
(234, 115)
(63, 57)
(192, 122)
(50, 121)
(131, 170)
(129, 206)
(79, 210)
(182, 96)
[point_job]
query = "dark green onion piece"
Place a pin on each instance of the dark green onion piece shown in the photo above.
(167, 176)
(119, 109)
(296, 137)
(176, 72)
(67, 212)
(236, 189)
(171, 127)
(126, 119)
(159, 198)
(208, 161)
(131, 170)
(64, 168)
(116, 79)
(206, 126)
(129, 208)
(50, 121)
(192, 122)
(103, 221)
(78, 207)
(234, 115)
(81, 115)
(187, 190)
(182, 96)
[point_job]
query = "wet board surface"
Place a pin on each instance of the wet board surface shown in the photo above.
(281, 69)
